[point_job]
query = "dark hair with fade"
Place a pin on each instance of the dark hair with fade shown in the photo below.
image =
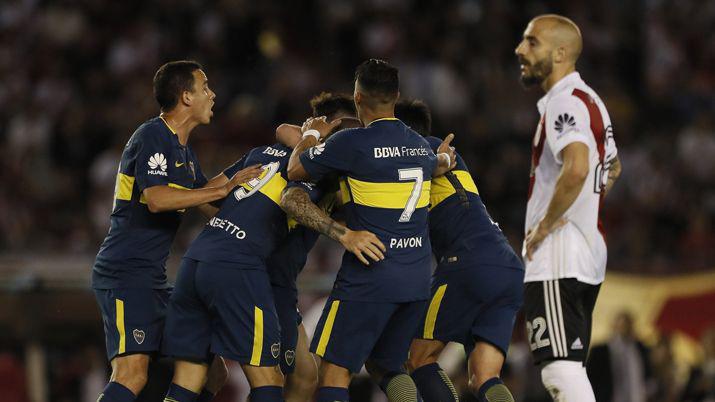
(171, 80)
(329, 104)
(416, 115)
(379, 80)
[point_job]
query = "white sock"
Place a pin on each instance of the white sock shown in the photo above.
(567, 381)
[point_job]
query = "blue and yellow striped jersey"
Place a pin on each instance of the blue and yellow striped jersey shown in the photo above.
(134, 253)
(459, 222)
(250, 223)
(385, 176)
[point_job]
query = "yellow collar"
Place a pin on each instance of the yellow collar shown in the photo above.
(383, 119)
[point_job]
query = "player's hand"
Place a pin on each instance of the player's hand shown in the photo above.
(446, 148)
(242, 176)
(321, 125)
(536, 236)
(361, 242)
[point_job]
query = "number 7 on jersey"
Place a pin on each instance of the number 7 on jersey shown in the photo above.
(416, 175)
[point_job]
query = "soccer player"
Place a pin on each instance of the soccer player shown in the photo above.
(477, 287)
(574, 164)
(386, 170)
(222, 303)
(158, 178)
(284, 265)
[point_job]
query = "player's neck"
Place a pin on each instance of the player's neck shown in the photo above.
(368, 116)
(556, 76)
(180, 123)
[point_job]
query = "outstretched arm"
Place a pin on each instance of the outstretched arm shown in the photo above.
(288, 135)
(296, 203)
(613, 173)
(446, 159)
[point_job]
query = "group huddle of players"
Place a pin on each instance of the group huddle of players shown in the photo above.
(364, 171)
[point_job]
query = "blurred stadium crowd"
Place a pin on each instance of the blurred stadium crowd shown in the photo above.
(76, 81)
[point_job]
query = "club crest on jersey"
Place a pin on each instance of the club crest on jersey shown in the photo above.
(157, 164)
(249, 188)
(139, 336)
(316, 150)
(290, 357)
(275, 350)
(564, 121)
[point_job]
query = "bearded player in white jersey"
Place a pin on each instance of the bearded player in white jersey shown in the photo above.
(574, 164)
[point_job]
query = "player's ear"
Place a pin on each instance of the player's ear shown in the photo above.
(186, 98)
(357, 97)
(560, 55)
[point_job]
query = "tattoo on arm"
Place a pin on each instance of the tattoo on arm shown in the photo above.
(297, 203)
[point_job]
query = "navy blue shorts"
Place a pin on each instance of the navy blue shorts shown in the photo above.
(133, 319)
(286, 300)
(222, 310)
(351, 332)
(472, 302)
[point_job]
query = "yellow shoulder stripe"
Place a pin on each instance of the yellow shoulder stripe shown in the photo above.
(442, 188)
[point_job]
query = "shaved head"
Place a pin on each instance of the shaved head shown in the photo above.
(560, 32)
(550, 46)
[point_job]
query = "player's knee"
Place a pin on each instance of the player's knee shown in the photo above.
(423, 352)
(567, 380)
(132, 372)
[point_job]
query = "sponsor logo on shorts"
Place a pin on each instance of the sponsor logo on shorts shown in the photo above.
(290, 357)
(139, 336)
(275, 350)
(577, 345)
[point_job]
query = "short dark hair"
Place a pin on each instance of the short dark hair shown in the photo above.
(329, 104)
(415, 114)
(379, 80)
(171, 80)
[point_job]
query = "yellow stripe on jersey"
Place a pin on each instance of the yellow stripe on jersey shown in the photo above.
(180, 187)
(123, 187)
(327, 328)
(257, 336)
(442, 188)
(272, 189)
(344, 192)
(432, 312)
(119, 305)
(387, 195)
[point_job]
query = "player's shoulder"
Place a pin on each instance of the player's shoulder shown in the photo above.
(153, 130)
(433, 141)
(345, 135)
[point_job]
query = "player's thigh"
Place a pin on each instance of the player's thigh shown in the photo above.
(557, 325)
(348, 331)
(392, 348)
(263, 376)
(288, 318)
(133, 319)
(244, 322)
(187, 334)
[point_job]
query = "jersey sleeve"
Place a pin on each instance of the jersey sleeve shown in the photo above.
(567, 123)
(432, 143)
(151, 160)
(233, 169)
(334, 155)
(314, 191)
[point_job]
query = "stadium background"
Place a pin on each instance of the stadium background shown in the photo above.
(76, 81)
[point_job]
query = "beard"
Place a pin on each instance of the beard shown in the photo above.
(537, 72)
